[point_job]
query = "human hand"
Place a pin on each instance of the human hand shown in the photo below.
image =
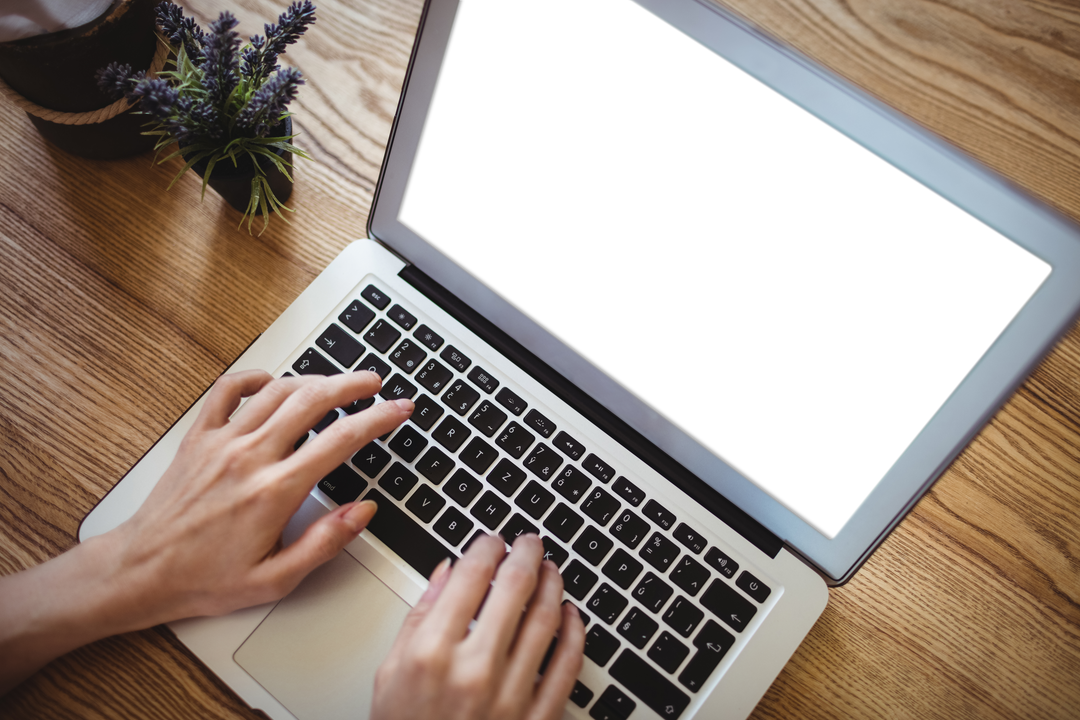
(438, 668)
(208, 538)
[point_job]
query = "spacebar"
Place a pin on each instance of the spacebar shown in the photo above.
(405, 536)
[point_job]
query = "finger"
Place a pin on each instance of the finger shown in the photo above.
(514, 586)
(263, 404)
(224, 397)
(323, 539)
(439, 577)
(550, 698)
(466, 587)
(316, 458)
(310, 402)
(538, 628)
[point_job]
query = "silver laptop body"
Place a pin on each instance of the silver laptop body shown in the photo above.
(700, 557)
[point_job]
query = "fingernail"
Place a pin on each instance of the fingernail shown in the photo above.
(440, 571)
(358, 516)
(405, 404)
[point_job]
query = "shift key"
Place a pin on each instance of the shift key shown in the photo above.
(649, 685)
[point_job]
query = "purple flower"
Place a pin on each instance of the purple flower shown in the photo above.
(220, 59)
(260, 60)
(266, 106)
(181, 30)
(117, 81)
(157, 98)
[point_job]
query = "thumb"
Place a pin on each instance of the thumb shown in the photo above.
(322, 540)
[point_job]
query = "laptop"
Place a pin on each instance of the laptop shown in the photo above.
(704, 316)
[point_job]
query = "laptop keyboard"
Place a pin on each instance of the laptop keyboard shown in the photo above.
(662, 607)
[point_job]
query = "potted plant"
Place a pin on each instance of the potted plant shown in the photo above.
(225, 105)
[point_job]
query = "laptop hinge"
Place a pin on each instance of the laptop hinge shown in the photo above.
(603, 418)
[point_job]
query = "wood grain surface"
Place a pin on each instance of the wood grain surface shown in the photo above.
(121, 301)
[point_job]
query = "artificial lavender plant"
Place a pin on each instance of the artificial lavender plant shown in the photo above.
(221, 101)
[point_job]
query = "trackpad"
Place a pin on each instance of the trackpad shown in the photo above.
(318, 650)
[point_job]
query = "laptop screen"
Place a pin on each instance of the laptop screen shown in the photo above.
(791, 301)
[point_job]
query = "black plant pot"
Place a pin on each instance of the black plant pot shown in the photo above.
(233, 183)
(56, 71)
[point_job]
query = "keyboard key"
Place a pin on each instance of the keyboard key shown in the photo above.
(451, 434)
(455, 359)
(428, 338)
(554, 552)
(606, 603)
(328, 419)
(376, 297)
(689, 538)
(573, 449)
(659, 552)
(408, 356)
(340, 345)
(659, 514)
(476, 536)
(683, 616)
(622, 569)
(721, 562)
(600, 506)
(358, 405)
(515, 440)
(563, 522)
(652, 592)
(371, 459)
(628, 491)
(593, 545)
(426, 412)
(649, 686)
(408, 538)
(382, 335)
(490, 510)
(402, 317)
(629, 529)
(478, 455)
(312, 363)
(483, 380)
(584, 615)
(453, 526)
(580, 695)
(600, 645)
(398, 481)
(460, 397)
(506, 477)
(616, 701)
(712, 644)
(343, 485)
(753, 587)
(356, 317)
(539, 423)
(571, 483)
(535, 499)
(637, 627)
(397, 387)
(510, 401)
(408, 443)
(435, 465)
(463, 488)
(434, 376)
(578, 579)
(668, 652)
(300, 440)
(425, 503)
(690, 575)
(373, 363)
(487, 418)
(732, 608)
(543, 461)
(598, 468)
(515, 526)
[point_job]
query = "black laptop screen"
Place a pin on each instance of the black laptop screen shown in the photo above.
(794, 303)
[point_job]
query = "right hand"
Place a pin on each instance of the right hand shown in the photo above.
(440, 670)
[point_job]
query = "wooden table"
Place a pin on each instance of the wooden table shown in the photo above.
(121, 301)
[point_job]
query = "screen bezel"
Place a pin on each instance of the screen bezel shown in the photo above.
(938, 165)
